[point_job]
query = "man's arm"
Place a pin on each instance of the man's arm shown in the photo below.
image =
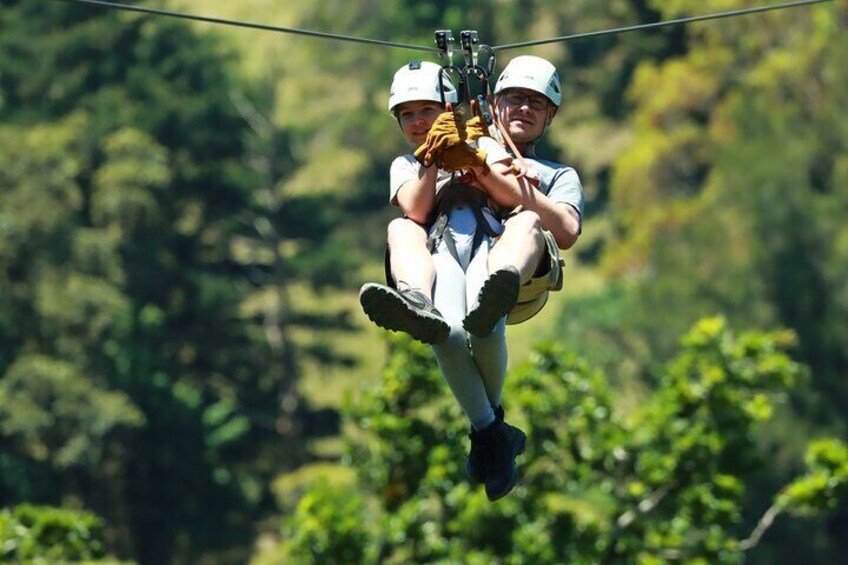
(561, 219)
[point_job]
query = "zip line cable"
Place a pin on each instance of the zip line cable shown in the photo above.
(252, 25)
(354, 39)
(728, 14)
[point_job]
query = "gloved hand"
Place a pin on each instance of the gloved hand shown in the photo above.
(475, 129)
(460, 156)
(444, 132)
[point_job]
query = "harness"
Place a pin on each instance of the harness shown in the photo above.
(533, 294)
(453, 195)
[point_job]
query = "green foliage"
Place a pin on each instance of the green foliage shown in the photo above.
(825, 483)
(55, 414)
(124, 357)
(42, 534)
(732, 176)
(328, 526)
(666, 482)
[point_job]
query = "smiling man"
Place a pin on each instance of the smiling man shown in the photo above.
(548, 207)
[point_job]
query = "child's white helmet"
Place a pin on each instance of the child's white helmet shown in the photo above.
(420, 80)
(532, 73)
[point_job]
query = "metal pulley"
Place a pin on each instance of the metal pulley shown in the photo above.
(472, 73)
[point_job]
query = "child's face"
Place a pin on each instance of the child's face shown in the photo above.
(416, 117)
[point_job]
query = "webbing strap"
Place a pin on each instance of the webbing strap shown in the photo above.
(452, 196)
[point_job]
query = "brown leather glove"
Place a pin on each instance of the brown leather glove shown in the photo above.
(461, 156)
(475, 129)
(444, 132)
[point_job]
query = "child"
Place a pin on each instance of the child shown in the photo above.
(436, 274)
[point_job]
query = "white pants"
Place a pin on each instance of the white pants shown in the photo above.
(474, 367)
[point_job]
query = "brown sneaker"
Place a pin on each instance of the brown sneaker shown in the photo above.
(497, 297)
(408, 311)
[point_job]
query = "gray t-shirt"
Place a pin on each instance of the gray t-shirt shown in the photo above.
(405, 168)
(557, 182)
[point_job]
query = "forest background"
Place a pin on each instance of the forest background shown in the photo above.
(187, 212)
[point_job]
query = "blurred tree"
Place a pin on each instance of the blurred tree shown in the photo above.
(727, 200)
(135, 382)
(664, 484)
(36, 534)
(731, 179)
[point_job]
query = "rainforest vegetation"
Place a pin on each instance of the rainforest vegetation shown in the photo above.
(188, 210)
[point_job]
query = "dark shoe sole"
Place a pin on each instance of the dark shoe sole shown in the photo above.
(497, 297)
(518, 450)
(385, 307)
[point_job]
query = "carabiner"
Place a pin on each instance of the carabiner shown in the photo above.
(460, 85)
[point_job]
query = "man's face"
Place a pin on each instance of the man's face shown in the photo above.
(524, 113)
(416, 117)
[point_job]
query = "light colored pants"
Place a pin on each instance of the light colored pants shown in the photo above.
(474, 367)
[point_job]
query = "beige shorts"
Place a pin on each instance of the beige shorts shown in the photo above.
(533, 295)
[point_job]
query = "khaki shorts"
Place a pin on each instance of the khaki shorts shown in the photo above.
(533, 295)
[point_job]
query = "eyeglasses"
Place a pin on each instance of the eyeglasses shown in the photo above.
(517, 98)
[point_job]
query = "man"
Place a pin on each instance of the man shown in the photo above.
(550, 202)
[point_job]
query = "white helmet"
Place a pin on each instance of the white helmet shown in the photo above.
(532, 73)
(420, 81)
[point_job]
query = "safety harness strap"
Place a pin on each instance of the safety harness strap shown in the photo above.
(452, 196)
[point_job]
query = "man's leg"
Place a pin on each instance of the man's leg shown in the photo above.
(453, 355)
(494, 443)
(512, 261)
(521, 245)
(490, 353)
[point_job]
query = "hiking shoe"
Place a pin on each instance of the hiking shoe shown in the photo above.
(475, 465)
(409, 311)
(501, 444)
(497, 297)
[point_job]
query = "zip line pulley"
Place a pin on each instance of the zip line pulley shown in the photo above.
(471, 73)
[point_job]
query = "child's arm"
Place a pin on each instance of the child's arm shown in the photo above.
(417, 196)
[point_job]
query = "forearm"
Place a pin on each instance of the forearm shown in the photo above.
(416, 197)
(561, 219)
(500, 184)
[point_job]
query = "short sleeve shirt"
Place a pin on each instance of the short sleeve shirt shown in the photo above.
(405, 168)
(558, 182)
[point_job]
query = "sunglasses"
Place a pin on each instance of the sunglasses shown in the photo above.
(517, 98)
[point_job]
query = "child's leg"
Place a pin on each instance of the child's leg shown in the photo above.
(411, 263)
(453, 355)
(521, 245)
(490, 352)
(513, 260)
(409, 308)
